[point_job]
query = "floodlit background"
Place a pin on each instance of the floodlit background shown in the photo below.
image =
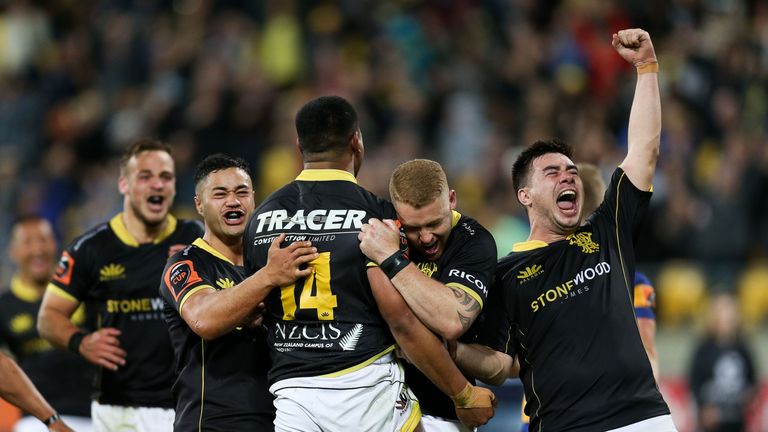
(465, 82)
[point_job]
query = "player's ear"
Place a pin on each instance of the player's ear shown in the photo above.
(122, 184)
(524, 196)
(198, 205)
(452, 199)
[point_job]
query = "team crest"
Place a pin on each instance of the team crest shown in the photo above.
(428, 268)
(224, 283)
(112, 272)
(584, 241)
(179, 277)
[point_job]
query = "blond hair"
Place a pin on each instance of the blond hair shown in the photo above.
(417, 182)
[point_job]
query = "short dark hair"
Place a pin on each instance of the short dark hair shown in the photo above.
(218, 162)
(522, 167)
(325, 124)
(142, 145)
(25, 218)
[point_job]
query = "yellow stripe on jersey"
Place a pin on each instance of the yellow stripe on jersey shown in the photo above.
(193, 291)
(359, 366)
(472, 293)
(121, 231)
(23, 291)
(325, 175)
(202, 244)
(455, 216)
(413, 420)
(61, 293)
(528, 245)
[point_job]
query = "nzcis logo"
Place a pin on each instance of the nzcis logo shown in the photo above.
(179, 277)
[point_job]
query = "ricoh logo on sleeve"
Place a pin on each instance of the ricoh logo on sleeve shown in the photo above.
(314, 220)
(469, 278)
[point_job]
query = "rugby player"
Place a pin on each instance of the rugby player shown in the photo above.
(33, 249)
(453, 257)
(222, 362)
(565, 296)
(115, 269)
(331, 333)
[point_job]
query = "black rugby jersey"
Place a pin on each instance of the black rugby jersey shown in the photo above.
(117, 279)
(566, 310)
(63, 378)
(329, 321)
(221, 384)
(467, 263)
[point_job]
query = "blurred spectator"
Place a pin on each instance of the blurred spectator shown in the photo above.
(466, 82)
(722, 374)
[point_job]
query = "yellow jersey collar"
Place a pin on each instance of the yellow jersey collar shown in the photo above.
(121, 231)
(455, 216)
(529, 245)
(326, 175)
(24, 291)
(202, 244)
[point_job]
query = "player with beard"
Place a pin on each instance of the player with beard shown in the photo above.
(453, 263)
(115, 269)
(332, 334)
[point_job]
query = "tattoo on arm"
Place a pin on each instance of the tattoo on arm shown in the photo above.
(469, 305)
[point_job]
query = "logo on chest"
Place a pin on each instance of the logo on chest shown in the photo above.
(428, 268)
(224, 283)
(111, 272)
(584, 241)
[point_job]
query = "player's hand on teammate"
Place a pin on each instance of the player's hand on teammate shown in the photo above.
(634, 46)
(102, 348)
(474, 405)
(284, 265)
(379, 239)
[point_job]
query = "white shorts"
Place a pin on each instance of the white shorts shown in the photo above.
(31, 424)
(654, 424)
(373, 398)
(441, 424)
(115, 418)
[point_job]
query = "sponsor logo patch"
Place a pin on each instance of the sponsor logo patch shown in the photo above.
(63, 273)
(179, 277)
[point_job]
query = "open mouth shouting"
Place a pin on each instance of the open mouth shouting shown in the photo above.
(566, 201)
(234, 217)
(155, 203)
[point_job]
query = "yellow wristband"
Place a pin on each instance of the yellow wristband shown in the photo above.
(649, 67)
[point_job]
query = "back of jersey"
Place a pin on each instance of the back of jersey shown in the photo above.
(328, 321)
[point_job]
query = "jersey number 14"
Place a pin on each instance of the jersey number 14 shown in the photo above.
(323, 300)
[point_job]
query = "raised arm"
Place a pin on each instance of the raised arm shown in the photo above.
(634, 45)
(16, 388)
(212, 313)
(447, 310)
(474, 405)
